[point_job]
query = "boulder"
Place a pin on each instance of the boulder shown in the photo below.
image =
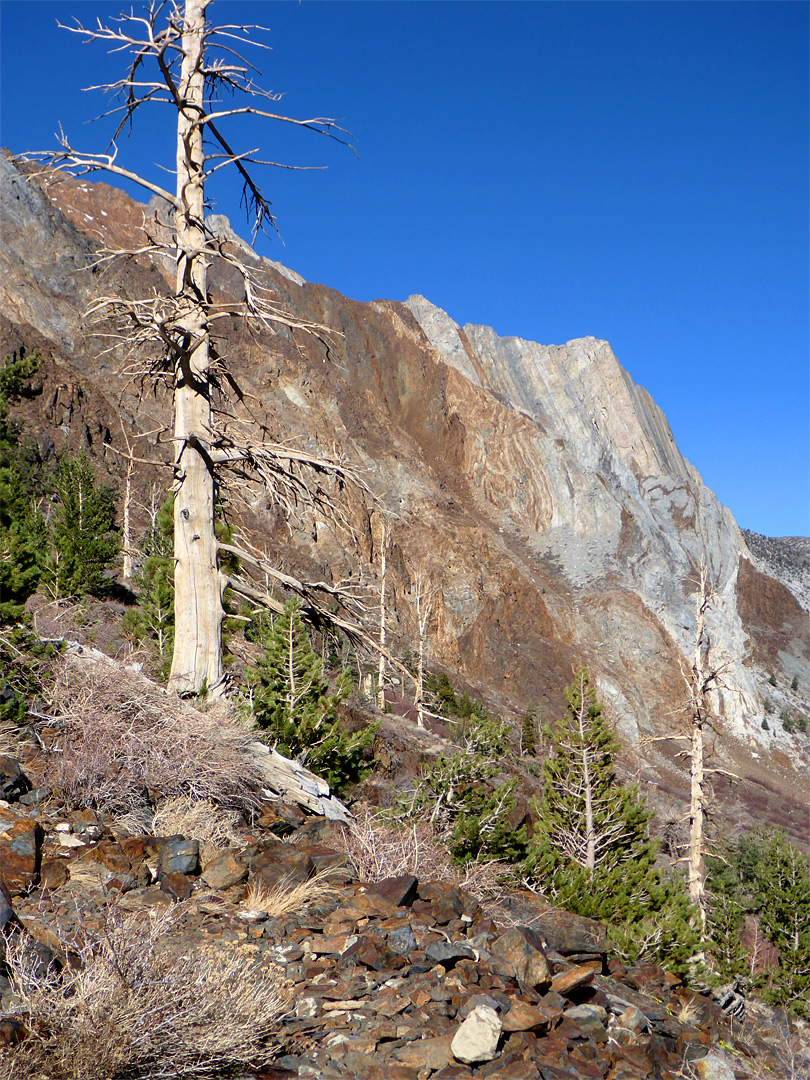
(476, 1040)
(20, 851)
(519, 954)
(224, 870)
(13, 781)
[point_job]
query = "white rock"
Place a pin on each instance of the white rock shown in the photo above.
(477, 1037)
(715, 1066)
(65, 840)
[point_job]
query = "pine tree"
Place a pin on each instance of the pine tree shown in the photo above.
(587, 816)
(462, 796)
(762, 874)
(23, 542)
(22, 529)
(153, 620)
(294, 702)
(528, 734)
(591, 852)
(85, 539)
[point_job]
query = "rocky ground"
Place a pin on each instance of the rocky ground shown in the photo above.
(403, 977)
(786, 558)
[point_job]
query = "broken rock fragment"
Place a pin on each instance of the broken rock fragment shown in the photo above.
(477, 1038)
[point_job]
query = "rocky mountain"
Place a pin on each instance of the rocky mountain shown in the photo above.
(537, 488)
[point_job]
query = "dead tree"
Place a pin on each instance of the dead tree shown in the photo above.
(178, 59)
(384, 538)
(704, 677)
(424, 598)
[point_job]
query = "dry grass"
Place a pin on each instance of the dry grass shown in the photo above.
(201, 819)
(144, 1002)
(9, 740)
(688, 1013)
(378, 849)
(289, 896)
(119, 735)
(776, 1049)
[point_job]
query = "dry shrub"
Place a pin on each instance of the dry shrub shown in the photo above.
(118, 734)
(378, 848)
(201, 819)
(144, 1002)
(289, 897)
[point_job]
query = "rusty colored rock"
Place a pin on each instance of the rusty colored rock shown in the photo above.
(53, 873)
(224, 870)
(400, 891)
(20, 852)
(431, 1053)
(524, 1017)
(519, 953)
(574, 977)
(280, 863)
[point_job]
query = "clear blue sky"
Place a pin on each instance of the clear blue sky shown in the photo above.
(635, 171)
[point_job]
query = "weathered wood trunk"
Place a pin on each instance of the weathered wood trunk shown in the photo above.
(696, 867)
(587, 780)
(381, 664)
(197, 660)
(701, 680)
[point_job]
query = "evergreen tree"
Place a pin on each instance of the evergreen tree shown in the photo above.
(591, 852)
(22, 529)
(762, 874)
(153, 621)
(85, 539)
(294, 702)
(460, 794)
(23, 542)
(587, 817)
(528, 734)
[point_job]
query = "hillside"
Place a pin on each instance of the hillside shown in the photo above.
(536, 487)
(175, 898)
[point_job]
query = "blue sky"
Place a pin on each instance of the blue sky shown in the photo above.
(634, 171)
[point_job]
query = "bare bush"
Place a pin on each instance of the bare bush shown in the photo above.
(115, 735)
(144, 1001)
(378, 848)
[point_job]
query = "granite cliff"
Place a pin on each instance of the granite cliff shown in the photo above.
(538, 488)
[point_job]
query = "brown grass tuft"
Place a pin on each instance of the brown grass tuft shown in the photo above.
(9, 740)
(200, 819)
(290, 896)
(144, 1002)
(118, 735)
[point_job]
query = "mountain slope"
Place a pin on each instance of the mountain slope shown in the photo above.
(537, 487)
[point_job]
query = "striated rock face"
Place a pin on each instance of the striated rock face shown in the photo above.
(538, 488)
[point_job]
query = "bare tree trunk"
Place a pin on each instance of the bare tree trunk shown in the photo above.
(126, 530)
(696, 867)
(198, 65)
(701, 681)
(590, 832)
(424, 597)
(198, 588)
(381, 665)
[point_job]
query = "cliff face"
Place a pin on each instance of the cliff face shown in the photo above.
(538, 488)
